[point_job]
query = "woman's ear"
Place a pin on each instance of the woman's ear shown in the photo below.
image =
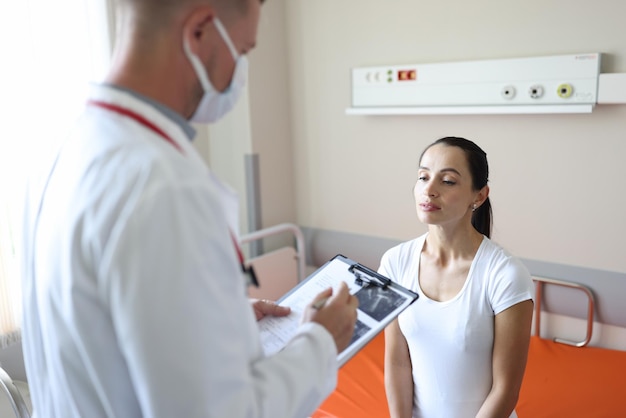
(481, 196)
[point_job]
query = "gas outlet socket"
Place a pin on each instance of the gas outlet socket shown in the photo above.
(565, 90)
(535, 91)
(508, 92)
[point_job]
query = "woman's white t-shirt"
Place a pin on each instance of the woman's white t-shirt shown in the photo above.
(450, 343)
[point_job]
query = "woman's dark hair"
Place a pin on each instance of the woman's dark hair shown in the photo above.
(479, 169)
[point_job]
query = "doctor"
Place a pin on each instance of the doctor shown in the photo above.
(135, 300)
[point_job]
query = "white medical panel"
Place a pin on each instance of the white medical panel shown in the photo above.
(551, 80)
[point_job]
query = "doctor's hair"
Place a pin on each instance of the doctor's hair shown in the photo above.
(482, 217)
(156, 13)
(240, 6)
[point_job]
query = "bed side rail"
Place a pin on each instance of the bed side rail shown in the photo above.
(15, 398)
(278, 229)
(540, 282)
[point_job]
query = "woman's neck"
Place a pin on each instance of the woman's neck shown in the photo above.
(447, 245)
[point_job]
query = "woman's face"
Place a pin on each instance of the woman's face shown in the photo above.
(444, 190)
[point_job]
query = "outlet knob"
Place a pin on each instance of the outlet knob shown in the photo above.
(565, 90)
(508, 92)
(535, 91)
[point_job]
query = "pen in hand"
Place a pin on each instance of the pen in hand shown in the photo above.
(335, 310)
(319, 304)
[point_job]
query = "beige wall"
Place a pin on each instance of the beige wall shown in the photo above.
(556, 180)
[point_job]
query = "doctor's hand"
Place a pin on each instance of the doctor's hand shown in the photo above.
(264, 307)
(335, 312)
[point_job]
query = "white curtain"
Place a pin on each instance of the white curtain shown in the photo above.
(50, 51)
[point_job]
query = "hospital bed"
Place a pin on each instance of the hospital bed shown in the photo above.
(563, 379)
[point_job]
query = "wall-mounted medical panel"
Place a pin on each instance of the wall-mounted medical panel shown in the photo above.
(516, 85)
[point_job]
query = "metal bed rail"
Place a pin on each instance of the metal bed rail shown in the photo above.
(278, 229)
(540, 282)
(14, 395)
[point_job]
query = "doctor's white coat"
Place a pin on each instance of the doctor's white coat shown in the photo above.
(135, 304)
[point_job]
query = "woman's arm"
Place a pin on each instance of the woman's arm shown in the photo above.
(510, 351)
(398, 375)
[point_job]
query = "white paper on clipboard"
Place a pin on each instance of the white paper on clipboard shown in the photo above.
(380, 301)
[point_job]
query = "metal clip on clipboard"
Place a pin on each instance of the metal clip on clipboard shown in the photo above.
(366, 281)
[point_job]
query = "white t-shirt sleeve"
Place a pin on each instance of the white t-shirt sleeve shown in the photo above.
(511, 283)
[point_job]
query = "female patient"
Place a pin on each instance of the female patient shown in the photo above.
(460, 350)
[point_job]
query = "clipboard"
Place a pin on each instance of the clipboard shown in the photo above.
(381, 300)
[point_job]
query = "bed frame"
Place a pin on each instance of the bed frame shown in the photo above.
(13, 395)
(567, 378)
(540, 283)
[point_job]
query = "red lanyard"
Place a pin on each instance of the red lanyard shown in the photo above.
(247, 270)
(138, 118)
(145, 122)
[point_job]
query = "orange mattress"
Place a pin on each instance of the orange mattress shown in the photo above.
(564, 381)
(360, 391)
(560, 382)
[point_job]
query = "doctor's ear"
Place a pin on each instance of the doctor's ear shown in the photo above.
(198, 23)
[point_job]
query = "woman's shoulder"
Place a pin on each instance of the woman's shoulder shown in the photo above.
(497, 256)
(494, 249)
(400, 259)
(403, 252)
(507, 279)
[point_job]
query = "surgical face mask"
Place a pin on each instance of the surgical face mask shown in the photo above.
(215, 104)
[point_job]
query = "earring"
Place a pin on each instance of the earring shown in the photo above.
(474, 208)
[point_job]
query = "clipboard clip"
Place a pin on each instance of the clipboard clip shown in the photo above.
(371, 278)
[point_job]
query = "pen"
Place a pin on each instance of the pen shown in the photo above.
(320, 303)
